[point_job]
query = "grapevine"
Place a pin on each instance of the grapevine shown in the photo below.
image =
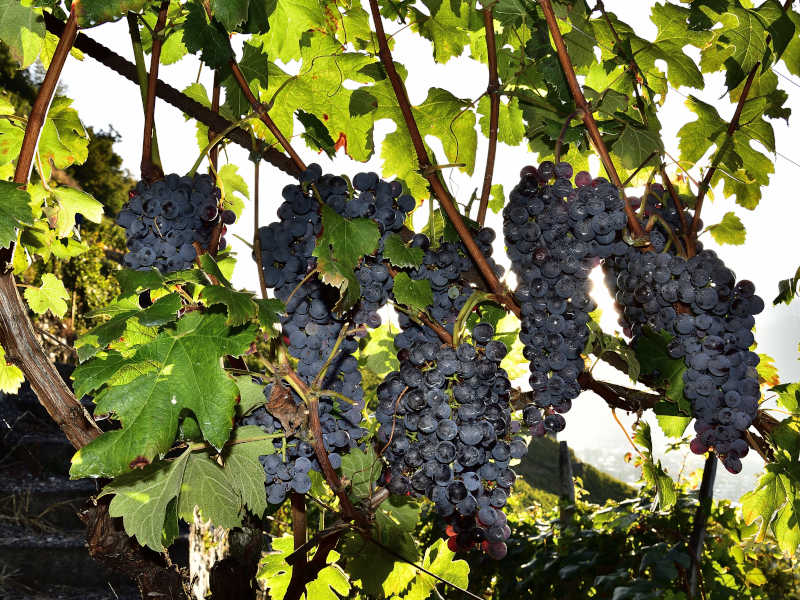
(373, 381)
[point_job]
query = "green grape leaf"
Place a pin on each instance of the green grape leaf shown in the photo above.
(240, 305)
(652, 471)
(446, 26)
(697, 136)
(497, 198)
(380, 573)
(651, 351)
(362, 103)
(788, 289)
(737, 46)
(673, 35)
(105, 369)
(439, 559)
(141, 498)
(70, 203)
(362, 469)
(230, 184)
(208, 39)
(510, 125)
(788, 396)
(284, 41)
(791, 54)
(672, 422)
(231, 13)
(209, 487)
(211, 266)
(601, 343)
(173, 49)
(11, 135)
(401, 254)
(274, 573)
(767, 371)
(269, 311)
(636, 143)
(241, 460)
(442, 116)
(63, 140)
(316, 133)
(22, 30)
(349, 240)
(340, 249)
(379, 354)
(416, 295)
(162, 311)
(728, 231)
(776, 504)
(251, 394)
(51, 295)
(95, 12)
(15, 211)
(188, 376)
(254, 67)
(514, 363)
(11, 377)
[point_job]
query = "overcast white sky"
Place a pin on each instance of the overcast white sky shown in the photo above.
(105, 99)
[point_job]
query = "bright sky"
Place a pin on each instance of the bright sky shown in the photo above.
(104, 98)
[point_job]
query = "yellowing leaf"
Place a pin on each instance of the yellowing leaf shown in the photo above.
(10, 375)
(52, 296)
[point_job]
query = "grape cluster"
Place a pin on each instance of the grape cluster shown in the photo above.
(310, 328)
(163, 219)
(444, 267)
(660, 206)
(555, 234)
(446, 434)
(710, 316)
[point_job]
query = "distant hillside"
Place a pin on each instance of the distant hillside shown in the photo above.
(539, 469)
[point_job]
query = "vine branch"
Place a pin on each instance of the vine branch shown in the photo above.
(732, 127)
(16, 330)
(493, 91)
(687, 236)
(699, 527)
(433, 178)
(141, 72)
(297, 582)
(151, 171)
(588, 119)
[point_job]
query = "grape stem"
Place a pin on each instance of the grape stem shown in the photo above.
(318, 380)
(438, 188)
(443, 334)
(150, 170)
(141, 72)
(256, 239)
(687, 237)
(493, 91)
(577, 113)
(476, 298)
(588, 119)
(705, 184)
